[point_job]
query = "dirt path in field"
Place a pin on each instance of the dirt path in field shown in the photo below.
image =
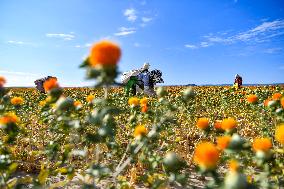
(195, 181)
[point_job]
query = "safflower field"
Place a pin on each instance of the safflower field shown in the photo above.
(97, 137)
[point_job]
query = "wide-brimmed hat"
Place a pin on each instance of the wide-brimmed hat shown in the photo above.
(146, 66)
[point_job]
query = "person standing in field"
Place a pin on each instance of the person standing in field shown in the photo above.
(142, 79)
(145, 80)
(238, 81)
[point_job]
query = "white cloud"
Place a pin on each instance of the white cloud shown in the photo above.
(146, 19)
(190, 46)
(130, 14)
(264, 32)
(136, 44)
(63, 36)
(123, 31)
(13, 42)
(204, 44)
(19, 78)
(272, 50)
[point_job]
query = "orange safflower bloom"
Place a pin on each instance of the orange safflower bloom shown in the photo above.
(279, 133)
(50, 84)
(265, 103)
(218, 124)
(77, 103)
(42, 103)
(252, 98)
(282, 102)
(9, 118)
(90, 98)
(261, 144)
(223, 142)
(143, 101)
(133, 101)
(144, 108)
(229, 124)
(202, 123)
(105, 54)
(276, 96)
(206, 155)
(17, 101)
(2, 81)
(140, 130)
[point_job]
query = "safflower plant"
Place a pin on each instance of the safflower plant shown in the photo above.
(92, 141)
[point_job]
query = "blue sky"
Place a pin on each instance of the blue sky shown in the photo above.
(191, 41)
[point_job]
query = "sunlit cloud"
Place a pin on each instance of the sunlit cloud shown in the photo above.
(63, 36)
(19, 78)
(123, 31)
(130, 14)
(190, 46)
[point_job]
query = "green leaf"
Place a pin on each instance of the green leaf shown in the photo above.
(13, 167)
(12, 182)
(43, 176)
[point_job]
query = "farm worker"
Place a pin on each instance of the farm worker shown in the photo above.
(238, 81)
(141, 81)
(145, 79)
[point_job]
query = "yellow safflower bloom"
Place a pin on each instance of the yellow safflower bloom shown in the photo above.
(90, 98)
(133, 101)
(143, 101)
(279, 133)
(140, 130)
(17, 101)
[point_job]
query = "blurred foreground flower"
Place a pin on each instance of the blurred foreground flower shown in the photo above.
(50, 84)
(282, 102)
(8, 118)
(90, 98)
(8, 123)
(262, 148)
(223, 142)
(279, 133)
(206, 155)
(105, 54)
(2, 81)
(102, 62)
(262, 144)
(276, 96)
(234, 179)
(173, 162)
